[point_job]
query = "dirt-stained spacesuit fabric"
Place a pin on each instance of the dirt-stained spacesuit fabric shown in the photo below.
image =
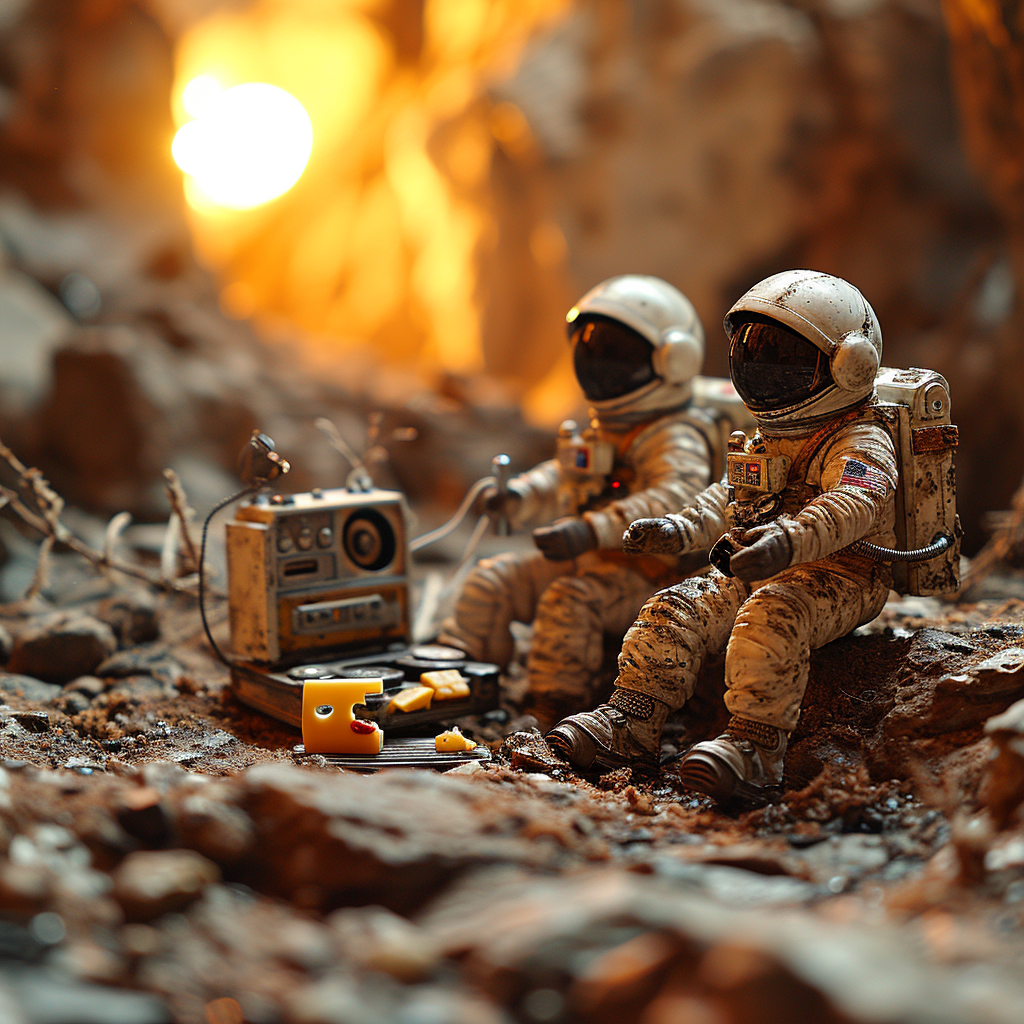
(769, 627)
(662, 466)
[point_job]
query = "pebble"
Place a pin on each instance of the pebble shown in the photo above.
(89, 686)
(149, 883)
(132, 616)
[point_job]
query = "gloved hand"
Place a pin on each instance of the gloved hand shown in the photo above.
(766, 550)
(653, 537)
(566, 539)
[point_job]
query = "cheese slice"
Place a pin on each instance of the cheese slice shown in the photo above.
(453, 740)
(447, 684)
(413, 699)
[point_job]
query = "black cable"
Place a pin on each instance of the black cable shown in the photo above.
(202, 563)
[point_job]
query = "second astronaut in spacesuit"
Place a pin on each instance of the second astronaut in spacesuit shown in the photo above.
(637, 344)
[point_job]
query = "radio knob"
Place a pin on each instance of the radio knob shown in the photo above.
(284, 542)
(325, 537)
(305, 538)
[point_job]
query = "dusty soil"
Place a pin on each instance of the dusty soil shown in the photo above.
(166, 859)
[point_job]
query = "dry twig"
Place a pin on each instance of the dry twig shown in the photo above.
(45, 518)
(1005, 546)
(179, 527)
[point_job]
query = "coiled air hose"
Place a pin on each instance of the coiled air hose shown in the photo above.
(940, 542)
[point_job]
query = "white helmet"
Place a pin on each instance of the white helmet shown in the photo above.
(784, 381)
(648, 366)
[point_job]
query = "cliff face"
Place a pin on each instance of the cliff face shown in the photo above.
(710, 143)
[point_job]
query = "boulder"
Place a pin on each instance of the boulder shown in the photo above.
(62, 647)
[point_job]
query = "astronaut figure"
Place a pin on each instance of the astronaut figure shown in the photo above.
(637, 344)
(805, 348)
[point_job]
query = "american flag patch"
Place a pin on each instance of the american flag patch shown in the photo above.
(856, 474)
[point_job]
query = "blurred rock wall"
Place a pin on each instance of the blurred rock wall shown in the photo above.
(714, 142)
(711, 142)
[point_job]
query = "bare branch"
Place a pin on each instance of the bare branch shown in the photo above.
(1005, 546)
(41, 577)
(184, 514)
(45, 519)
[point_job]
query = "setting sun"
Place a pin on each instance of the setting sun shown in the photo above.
(246, 145)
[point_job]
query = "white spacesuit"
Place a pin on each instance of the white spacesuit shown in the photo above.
(805, 348)
(637, 344)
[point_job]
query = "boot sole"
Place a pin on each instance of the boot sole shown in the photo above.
(705, 775)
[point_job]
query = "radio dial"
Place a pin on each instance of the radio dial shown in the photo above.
(305, 538)
(284, 542)
(325, 537)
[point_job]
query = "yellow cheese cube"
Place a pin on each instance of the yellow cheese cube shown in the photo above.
(412, 699)
(441, 679)
(448, 684)
(328, 725)
(452, 740)
(452, 692)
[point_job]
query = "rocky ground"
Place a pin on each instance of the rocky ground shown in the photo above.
(164, 858)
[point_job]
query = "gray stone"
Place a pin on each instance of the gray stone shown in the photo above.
(32, 325)
(52, 997)
(132, 616)
(61, 647)
(148, 660)
(15, 685)
(88, 686)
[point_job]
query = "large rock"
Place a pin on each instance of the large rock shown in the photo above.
(1002, 786)
(954, 682)
(62, 647)
(33, 324)
(394, 838)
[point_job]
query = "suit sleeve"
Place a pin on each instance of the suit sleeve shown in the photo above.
(859, 475)
(672, 465)
(538, 488)
(704, 521)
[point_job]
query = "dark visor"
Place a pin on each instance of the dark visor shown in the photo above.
(610, 359)
(773, 367)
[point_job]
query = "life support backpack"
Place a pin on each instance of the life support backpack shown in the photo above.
(914, 406)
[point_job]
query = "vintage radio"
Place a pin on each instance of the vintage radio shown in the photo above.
(318, 588)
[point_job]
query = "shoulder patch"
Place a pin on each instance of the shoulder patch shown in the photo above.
(857, 474)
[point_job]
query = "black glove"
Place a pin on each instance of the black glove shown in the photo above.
(653, 537)
(566, 539)
(766, 550)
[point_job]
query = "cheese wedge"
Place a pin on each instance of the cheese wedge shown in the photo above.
(328, 724)
(452, 740)
(413, 699)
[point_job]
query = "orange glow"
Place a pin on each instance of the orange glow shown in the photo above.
(247, 145)
(376, 244)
